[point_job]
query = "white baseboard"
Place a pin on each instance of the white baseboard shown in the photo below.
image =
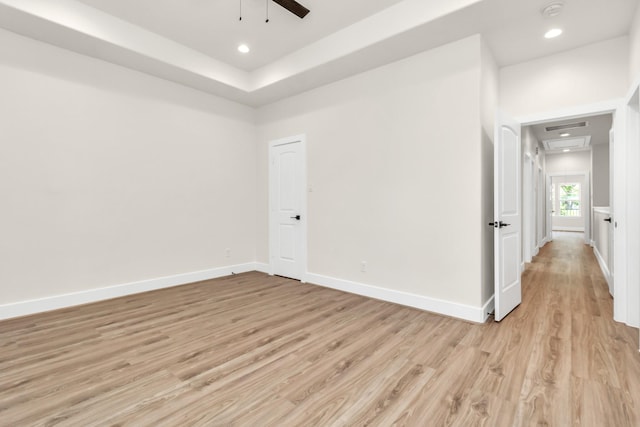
(448, 308)
(23, 308)
(603, 266)
(262, 267)
(560, 228)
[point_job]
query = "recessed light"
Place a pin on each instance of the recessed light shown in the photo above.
(566, 150)
(565, 134)
(553, 33)
(243, 48)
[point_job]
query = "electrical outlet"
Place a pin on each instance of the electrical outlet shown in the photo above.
(227, 253)
(363, 266)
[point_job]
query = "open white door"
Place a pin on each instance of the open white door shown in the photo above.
(549, 210)
(508, 216)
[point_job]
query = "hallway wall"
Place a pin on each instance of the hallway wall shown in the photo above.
(634, 48)
(109, 176)
(600, 174)
(388, 151)
(590, 74)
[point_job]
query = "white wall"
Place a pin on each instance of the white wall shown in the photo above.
(488, 105)
(109, 176)
(566, 163)
(395, 165)
(634, 48)
(587, 75)
(600, 174)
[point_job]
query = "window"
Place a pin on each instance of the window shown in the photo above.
(566, 200)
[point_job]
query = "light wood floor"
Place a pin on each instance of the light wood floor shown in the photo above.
(253, 350)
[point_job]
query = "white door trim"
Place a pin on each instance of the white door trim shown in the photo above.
(586, 201)
(541, 212)
(604, 107)
(627, 183)
(302, 139)
(528, 208)
(618, 107)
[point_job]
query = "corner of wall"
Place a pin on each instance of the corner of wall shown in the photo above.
(634, 48)
(488, 107)
(587, 75)
(489, 87)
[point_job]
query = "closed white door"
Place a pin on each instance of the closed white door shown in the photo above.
(507, 216)
(287, 216)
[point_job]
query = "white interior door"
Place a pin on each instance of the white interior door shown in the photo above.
(508, 216)
(613, 213)
(549, 209)
(287, 213)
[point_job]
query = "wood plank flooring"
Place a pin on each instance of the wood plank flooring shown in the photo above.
(254, 350)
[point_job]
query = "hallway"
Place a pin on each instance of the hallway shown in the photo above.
(583, 368)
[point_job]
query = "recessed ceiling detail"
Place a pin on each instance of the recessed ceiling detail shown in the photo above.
(190, 42)
(567, 143)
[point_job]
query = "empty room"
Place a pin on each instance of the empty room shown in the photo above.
(319, 213)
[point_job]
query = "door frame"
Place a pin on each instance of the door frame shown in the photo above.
(628, 186)
(585, 200)
(618, 108)
(541, 209)
(528, 210)
(272, 224)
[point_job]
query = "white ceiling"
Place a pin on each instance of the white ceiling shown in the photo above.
(193, 42)
(212, 26)
(597, 130)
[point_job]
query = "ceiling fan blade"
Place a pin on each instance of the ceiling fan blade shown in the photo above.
(293, 7)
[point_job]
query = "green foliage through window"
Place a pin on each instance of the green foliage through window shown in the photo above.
(569, 200)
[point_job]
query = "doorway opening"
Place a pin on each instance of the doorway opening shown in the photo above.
(567, 186)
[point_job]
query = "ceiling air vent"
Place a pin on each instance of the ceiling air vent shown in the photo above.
(567, 126)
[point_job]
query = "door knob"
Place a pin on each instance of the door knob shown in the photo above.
(499, 224)
(296, 217)
(608, 220)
